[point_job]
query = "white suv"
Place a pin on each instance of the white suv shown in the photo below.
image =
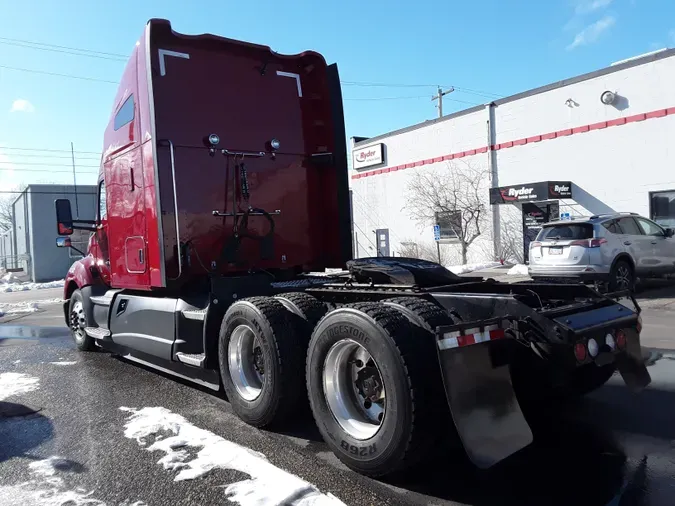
(612, 248)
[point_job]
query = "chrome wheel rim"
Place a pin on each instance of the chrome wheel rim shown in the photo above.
(247, 366)
(354, 389)
(78, 321)
(623, 278)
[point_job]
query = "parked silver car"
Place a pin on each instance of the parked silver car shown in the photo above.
(611, 248)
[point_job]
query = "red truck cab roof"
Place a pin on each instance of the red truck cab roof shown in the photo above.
(278, 116)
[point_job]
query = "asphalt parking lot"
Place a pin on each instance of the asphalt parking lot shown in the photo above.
(65, 437)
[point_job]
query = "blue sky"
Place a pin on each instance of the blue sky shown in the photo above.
(484, 49)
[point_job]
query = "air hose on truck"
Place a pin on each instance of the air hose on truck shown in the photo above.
(240, 228)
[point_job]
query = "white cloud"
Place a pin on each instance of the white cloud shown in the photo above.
(592, 32)
(586, 6)
(22, 105)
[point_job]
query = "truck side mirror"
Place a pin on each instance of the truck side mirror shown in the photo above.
(64, 217)
(63, 242)
(670, 232)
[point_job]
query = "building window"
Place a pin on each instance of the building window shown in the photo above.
(662, 208)
(125, 114)
(102, 210)
(450, 224)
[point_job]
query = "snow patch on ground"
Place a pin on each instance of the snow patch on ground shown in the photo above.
(463, 269)
(28, 306)
(518, 270)
(64, 362)
(6, 285)
(15, 383)
(268, 484)
(48, 489)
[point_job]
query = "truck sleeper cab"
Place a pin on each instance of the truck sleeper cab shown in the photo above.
(223, 187)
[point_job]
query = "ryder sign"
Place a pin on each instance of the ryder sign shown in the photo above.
(367, 157)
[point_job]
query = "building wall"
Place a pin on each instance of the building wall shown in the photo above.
(22, 233)
(379, 201)
(50, 262)
(614, 154)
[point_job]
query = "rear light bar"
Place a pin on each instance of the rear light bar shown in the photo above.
(590, 348)
(589, 243)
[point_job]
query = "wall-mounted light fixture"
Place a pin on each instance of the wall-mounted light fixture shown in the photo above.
(608, 97)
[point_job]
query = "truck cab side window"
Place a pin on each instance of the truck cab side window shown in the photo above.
(102, 211)
(125, 114)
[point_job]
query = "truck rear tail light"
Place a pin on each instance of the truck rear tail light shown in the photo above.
(589, 243)
(610, 342)
(638, 326)
(620, 339)
(535, 244)
(580, 351)
(593, 348)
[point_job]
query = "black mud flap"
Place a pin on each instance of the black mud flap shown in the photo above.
(631, 364)
(481, 398)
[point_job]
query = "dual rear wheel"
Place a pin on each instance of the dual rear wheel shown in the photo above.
(369, 369)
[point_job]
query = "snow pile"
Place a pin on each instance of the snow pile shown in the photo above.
(63, 363)
(518, 270)
(463, 269)
(49, 466)
(28, 306)
(7, 285)
(14, 383)
(268, 484)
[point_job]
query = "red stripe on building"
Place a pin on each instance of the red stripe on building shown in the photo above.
(660, 113)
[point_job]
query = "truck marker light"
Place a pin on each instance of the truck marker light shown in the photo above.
(593, 348)
(275, 144)
(639, 324)
(620, 339)
(214, 139)
(609, 341)
(580, 352)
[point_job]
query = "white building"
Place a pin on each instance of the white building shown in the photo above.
(614, 150)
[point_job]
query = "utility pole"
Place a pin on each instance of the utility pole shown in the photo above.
(439, 96)
(77, 207)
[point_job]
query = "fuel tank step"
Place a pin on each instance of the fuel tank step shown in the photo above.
(194, 314)
(195, 359)
(97, 332)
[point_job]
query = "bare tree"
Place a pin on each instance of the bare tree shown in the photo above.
(510, 247)
(457, 195)
(426, 251)
(6, 214)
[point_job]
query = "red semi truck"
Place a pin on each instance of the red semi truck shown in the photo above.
(223, 187)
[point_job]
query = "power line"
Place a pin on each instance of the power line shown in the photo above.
(63, 47)
(83, 78)
(16, 192)
(54, 50)
(401, 85)
(49, 150)
(49, 170)
(47, 164)
(23, 155)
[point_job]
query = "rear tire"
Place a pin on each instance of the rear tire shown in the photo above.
(260, 356)
(77, 319)
(401, 359)
(622, 277)
(309, 308)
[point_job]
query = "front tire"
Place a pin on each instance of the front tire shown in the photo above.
(260, 357)
(370, 388)
(77, 318)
